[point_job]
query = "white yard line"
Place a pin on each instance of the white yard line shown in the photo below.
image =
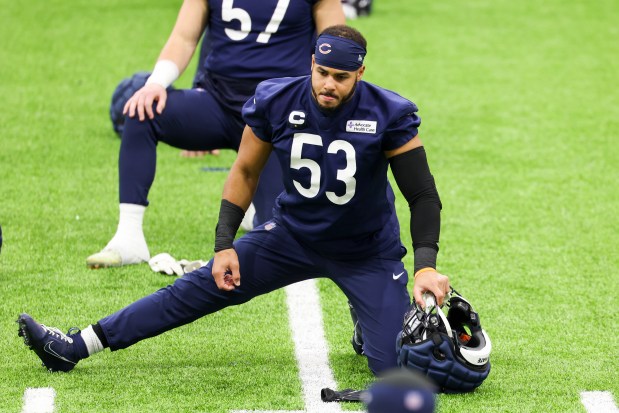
(311, 350)
(39, 400)
(598, 402)
(268, 411)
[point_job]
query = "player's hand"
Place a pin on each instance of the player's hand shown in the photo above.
(226, 270)
(432, 281)
(142, 101)
(199, 154)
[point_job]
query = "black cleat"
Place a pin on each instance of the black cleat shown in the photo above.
(357, 337)
(54, 348)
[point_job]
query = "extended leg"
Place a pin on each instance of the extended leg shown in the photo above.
(268, 261)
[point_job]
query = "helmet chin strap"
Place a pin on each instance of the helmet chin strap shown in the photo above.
(445, 321)
(430, 301)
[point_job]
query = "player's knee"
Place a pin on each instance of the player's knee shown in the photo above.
(382, 363)
(136, 130)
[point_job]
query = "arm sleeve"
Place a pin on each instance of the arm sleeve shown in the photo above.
(413, 177)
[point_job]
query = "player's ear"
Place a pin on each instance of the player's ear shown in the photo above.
(313, 63)
(360, 72)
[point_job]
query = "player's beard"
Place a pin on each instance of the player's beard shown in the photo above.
(331, 109)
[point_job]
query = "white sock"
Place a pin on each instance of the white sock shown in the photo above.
(93, 344)
(248, 220)
(129, 239)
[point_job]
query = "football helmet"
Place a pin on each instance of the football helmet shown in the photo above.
(453, 349)
(123, 92)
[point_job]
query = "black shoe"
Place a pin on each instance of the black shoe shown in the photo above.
(364, 7)
(356, 8)
(54, 348)
(357, 337)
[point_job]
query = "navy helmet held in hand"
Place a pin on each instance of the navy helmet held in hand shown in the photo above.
(123, 92)
(453, 350)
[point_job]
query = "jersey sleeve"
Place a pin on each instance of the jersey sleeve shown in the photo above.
(403, 127)
(261, 111)
(255, 116)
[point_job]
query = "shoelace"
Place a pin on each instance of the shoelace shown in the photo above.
(57, 333)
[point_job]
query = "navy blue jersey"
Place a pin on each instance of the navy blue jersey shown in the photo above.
(251, 39)
(334, 167)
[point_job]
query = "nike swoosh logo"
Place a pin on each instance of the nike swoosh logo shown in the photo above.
(49, 350)
(395, 277)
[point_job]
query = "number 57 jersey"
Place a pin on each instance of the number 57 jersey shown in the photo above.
(260, 39)
(337, 200)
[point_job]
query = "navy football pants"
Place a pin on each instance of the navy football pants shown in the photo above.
(271, 259)
(192, 119)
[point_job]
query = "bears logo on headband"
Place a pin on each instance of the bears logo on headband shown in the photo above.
(339, 53)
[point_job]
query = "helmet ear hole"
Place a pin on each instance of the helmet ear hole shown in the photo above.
(438, 354)
(464, 335)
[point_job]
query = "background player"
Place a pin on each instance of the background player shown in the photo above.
(249, 42)
(400, 391)
(334, 137)
(357, 8)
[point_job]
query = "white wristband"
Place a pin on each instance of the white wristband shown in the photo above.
(164, 73)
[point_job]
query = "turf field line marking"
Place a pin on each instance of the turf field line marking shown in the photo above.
(39, 400)
(310, 345)
(268, 411)
(598, 402)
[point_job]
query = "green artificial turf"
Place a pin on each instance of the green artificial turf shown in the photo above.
(520, 116)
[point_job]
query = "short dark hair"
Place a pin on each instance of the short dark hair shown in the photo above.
(346, 32)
